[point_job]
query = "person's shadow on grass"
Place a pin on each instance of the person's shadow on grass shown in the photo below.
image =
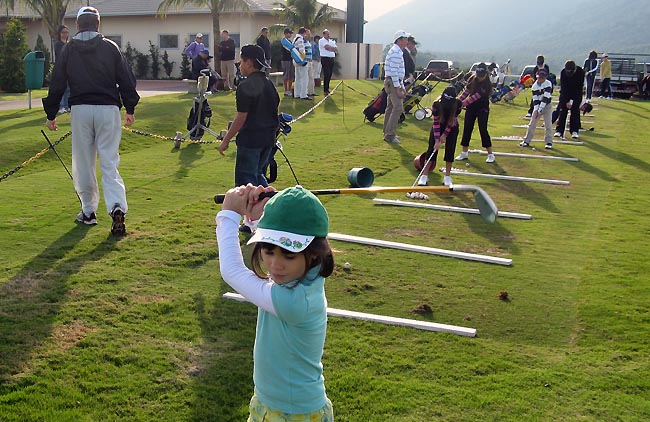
(30, 300)
(223, 374)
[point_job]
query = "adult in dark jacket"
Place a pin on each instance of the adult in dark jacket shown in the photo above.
(64, 37)
(409, 59)
(571, 84)
(263, 41)
(100, 83)
(590, 68)
(256, 123)
(202, 62)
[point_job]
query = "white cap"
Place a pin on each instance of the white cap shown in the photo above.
(199, 35)
(401, 34)
(87, 10)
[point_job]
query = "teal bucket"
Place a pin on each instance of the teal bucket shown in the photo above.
(361, 177)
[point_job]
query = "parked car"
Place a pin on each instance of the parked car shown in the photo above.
(494, 74)
(441, 68)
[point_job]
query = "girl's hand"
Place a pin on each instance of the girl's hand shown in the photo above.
(237, 199)
(443, 138)
(255, 205)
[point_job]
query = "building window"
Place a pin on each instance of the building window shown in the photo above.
(168, 41)
(206, 39)
(117, 39)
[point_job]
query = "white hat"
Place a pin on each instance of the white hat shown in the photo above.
(87, 10)
(401, 34)
(199, 35)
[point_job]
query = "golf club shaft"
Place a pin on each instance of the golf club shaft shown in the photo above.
(358, 191)
(64, 166)
(57, 154)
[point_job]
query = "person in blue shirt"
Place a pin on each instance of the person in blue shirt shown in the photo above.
(290, 261)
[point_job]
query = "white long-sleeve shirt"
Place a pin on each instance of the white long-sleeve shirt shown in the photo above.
(394, 66)
(542, 95)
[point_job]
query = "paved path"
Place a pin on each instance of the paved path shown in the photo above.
(145, 89)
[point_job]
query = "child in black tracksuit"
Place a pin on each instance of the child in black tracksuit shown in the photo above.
(476, 100)
(443, 131)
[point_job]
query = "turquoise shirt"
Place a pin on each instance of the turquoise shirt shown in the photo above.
(288, 372)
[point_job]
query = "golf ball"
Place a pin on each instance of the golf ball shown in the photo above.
(533, 149)
(466, 164)
(347, 265)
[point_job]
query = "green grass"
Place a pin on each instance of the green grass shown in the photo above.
(36, 94)
(97, 329)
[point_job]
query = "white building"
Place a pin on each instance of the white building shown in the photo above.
(137, 22)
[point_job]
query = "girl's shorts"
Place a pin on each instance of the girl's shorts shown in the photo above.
(259, 412)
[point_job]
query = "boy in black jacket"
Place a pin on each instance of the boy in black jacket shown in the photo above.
(100, 81)
(571, 84)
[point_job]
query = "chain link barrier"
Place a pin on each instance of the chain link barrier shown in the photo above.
(38, 155)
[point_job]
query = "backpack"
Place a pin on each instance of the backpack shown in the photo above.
(192, 119)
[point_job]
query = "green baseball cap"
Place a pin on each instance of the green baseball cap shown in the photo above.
(291, 220)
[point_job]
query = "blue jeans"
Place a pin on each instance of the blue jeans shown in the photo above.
(64, 99)
(250, 164)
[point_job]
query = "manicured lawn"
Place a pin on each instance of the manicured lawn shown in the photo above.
(97, 329)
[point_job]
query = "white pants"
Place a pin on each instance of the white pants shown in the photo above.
(548, 125)
(300, 88)
(97, 130)
(317, 68)
(310, 78)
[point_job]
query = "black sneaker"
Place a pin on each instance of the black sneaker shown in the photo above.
(90, 220)
(118, 228)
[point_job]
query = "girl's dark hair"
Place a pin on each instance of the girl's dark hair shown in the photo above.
(476, 85)
(318, 252)
(447, 106)
(61, 28)
(593, 54)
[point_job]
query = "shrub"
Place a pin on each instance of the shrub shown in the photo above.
(167, 65)
(154, 52)
(186, 70)
(141, 66)
(12, 53)
(40, 46)
(130, 54)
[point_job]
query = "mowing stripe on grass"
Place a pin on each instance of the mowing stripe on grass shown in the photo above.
(421, 249)
(448, 208)
(383, 319)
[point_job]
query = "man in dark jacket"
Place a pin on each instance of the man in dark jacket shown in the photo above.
(409, 59)
(202, 62)
(571, 85)
(256, 123)
(100, 81)
(264, 42)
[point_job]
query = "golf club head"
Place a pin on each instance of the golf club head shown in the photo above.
(487, 208)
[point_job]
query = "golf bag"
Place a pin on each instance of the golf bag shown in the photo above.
(193, 119)
(376, 107)
(283, 129)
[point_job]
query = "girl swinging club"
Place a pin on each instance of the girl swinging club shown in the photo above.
(444, 131)
(290, 261)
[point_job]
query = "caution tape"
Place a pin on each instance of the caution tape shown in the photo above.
(38, 155)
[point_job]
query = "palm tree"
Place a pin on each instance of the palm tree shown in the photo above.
(306, 13)
(216, 7)
(51, 11)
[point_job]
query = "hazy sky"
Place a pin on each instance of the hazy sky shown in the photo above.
(371, 8)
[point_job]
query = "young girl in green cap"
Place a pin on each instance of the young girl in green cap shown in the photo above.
(290, 261)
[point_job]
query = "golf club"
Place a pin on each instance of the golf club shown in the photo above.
(485, 205)
(64, 166)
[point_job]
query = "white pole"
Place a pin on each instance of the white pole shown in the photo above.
(513, 178)
(539, 127)
(448, 208)
(420, 249)
(510, 154)
(520, 138)
(382, 319)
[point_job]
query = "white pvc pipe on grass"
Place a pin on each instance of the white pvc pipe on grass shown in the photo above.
(513, 178)
(504, 214)
(383, 319)
(510, 154)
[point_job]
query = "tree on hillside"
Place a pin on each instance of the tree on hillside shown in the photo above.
(306, 13)
(51, 11)
(216, 7)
